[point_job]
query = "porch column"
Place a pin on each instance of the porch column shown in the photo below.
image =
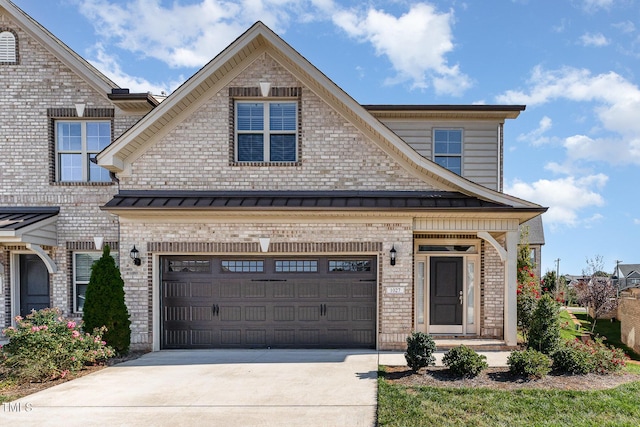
(510, 280)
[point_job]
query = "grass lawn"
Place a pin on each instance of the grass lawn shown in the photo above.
(610, 330)
(568, 329)
(425, 406)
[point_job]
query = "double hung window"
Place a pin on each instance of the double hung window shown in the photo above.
(266, 131)
(447, 149)
(77, 142)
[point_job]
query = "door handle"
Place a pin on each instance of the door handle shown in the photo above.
(460, 297)
(215, 309)
(323, 309)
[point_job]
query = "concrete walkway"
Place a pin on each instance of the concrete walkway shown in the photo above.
(236, 388)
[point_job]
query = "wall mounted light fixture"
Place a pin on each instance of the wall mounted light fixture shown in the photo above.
(392, 255)
(135, 256)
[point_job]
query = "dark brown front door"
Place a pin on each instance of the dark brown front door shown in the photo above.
(285, 302)
(34, 284)
(446, 291)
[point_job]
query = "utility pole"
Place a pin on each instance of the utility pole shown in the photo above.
(618, 277)
(557, 276)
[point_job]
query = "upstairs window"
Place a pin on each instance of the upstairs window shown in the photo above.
(8, 47)
(77, 143)
(266, 131)
(447, 149)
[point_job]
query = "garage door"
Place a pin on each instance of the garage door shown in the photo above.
(225, 302)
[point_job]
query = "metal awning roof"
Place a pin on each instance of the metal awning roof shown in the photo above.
(298, 200)
(34, 225)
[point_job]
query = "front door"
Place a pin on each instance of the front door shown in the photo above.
(446, 294)
(34, 284)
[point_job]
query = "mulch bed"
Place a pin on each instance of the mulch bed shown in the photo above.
(502, 379)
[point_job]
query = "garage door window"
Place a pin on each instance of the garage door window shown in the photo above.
(335, 266)
(190, 266)
(243, 266)
(296, 266)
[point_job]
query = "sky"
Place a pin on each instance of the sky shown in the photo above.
(575, 64)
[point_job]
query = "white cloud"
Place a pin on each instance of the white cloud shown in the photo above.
(626, 27)
(597, 40)
(615, 104)
(181, 35)
(636, 221)
(595, 5)
(415, 43)
(536, 137)
(565, 197)
(110, 67)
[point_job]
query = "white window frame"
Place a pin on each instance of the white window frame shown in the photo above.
(266, 131)
(77, 282)
(460, 156)
(84, 152)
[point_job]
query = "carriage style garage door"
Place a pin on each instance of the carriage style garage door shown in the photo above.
(283, 302)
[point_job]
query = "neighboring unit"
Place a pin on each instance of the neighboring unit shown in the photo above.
(627, 276)
(267, 208)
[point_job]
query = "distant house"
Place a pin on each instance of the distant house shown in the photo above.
(627, 276)
(536, 241)
(266, 207)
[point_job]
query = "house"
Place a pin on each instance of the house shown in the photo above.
(535, 238)
(258, 205)
(627, 276)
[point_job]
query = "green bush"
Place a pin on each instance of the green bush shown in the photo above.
(576, 357)
(463, 361)
(104, 303)
(420, 349)
(544, 333)
(45, 346)
(529, 363)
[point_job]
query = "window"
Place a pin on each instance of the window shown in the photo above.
(447, 149)
(82, 262)
(266, 131)
(8, 47)
(243, 266)
(349, 266)
(77, 142)
(296, 266)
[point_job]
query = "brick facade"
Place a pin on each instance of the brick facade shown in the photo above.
(197, 154)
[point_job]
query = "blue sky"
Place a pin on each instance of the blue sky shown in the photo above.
(574, 63)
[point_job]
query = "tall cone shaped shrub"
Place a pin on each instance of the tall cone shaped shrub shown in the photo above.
(104, 303)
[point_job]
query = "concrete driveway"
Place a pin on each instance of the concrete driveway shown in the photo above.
(214, 388)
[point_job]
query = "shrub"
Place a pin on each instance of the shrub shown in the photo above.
(576, 357)
(529, 363)
(544, 333)
(45, 346)
(464, 361)
(527, 296)
(420, 349)
(104, 303)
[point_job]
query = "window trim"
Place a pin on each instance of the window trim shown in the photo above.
(276, 95)
(55, 115)
(266, 130)
(436, 154)
(16, 53)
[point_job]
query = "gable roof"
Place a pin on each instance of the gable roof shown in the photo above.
(628, 269)
(101, 83)
(230, 62)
